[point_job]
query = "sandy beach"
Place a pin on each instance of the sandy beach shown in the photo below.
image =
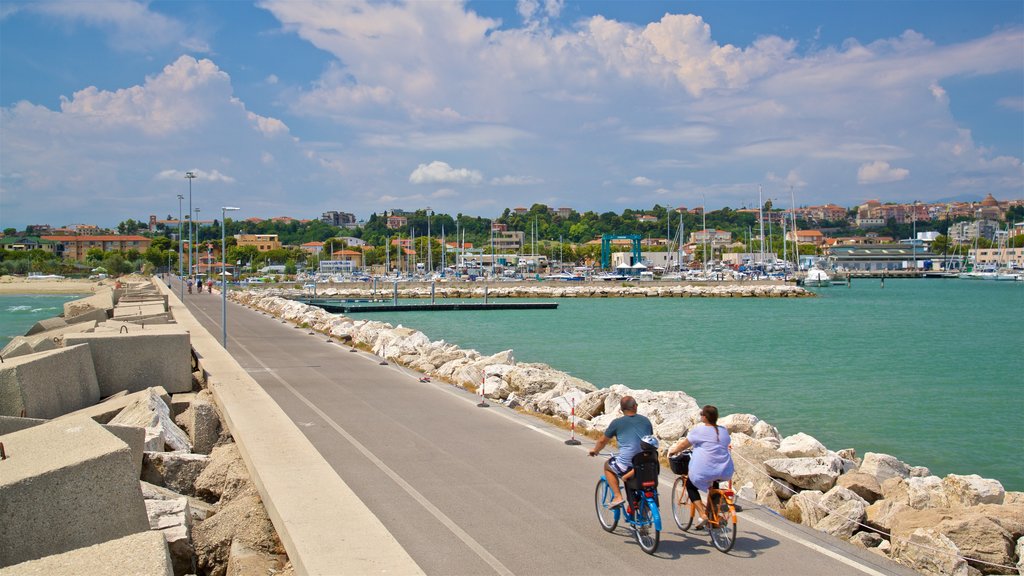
(22, 285)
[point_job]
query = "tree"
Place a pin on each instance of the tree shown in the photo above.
(10, 231)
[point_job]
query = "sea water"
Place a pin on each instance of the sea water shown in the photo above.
(18, 312)
(928, 370)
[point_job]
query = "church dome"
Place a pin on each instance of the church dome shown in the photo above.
(989, 201)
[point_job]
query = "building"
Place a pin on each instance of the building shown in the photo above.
(314, 248)
(352, 257)
(396, 222)
(883, 257)
(262, 242)
(564, 213)
(508, 240)
(711, 236)
(999, 257)
(335, 218)
(968, 232)
(646, 218)
(990, 209)
(26, 243)
(76, 247)
(814, 237)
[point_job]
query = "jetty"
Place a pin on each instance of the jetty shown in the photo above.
(347, 306)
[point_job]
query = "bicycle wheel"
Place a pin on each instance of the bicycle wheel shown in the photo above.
(647, 534)
(723, 525)
(682, 511)
(608, 517)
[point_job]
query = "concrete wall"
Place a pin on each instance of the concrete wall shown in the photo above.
(66, 484)
(48, 384)
(138, 360)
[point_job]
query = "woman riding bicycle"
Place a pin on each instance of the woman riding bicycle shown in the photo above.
(711, 460)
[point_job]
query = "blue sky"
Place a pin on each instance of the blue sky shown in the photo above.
(284, 107)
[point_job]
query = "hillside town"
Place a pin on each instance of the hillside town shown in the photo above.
(528, 242)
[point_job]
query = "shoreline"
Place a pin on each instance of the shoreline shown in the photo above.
(14, 285)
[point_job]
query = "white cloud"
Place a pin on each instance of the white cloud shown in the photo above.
(879, 172)
(438, 172)
(444, 193)
(1015, 103)
(509, 180)
(643, 181)
(200, 175)
(792, 179)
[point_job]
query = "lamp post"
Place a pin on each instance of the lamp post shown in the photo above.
(195, 220)
(430, 262)
(224, 278)
(190, 176)
(181, 280)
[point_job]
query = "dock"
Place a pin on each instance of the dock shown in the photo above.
(347, 306)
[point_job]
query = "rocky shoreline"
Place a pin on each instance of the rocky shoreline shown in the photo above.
(957, 524)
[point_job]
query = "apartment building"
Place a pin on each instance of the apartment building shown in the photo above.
(262, 242)
(76, 247)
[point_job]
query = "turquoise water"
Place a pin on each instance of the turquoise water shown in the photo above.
(18, 312)
(930, 371)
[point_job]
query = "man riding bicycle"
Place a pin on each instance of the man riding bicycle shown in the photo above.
(629, 430)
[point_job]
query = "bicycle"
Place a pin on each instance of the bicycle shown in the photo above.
(640, 510)
(720, 507)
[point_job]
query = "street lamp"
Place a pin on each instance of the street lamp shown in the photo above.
(224, 278)
(190, 176)
(430, 267)
(196, 222)
(181, 280)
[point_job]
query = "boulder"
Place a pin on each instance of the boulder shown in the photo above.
(243, 519)
(972, 490)
(883, 467)
(895, 489)
(866, 539)
(930, 553)
(844, 520)
(802, 445)
(173, 519)
(592, 405)
(199, 509)
(224, 477)
(980, 538)
(925, 492)
(173, 470)
(808, 473)
(743, 423)
(202, 421)
(804, 507)
(1019, 551)
(749, 468)
(882, 514)
(864, 485)
(767, 434)
(149, 411)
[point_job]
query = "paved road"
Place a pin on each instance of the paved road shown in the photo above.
(470, 490)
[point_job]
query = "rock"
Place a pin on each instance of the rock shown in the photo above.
(151, 412)
(173, 519)
(1013, 498)
(225, 477)
(767, 434)
(895, 489)
(864, 485)
(848, 454)
(883, 467)
(972, 490)
(1019, 551)
(930, 553)
(172, 470)
(592, 405)
(925, 492)
(244, 560)
(919, 471)
(807, 473)
(202, 421)
(743, 423)
(749, 468)
(801, 445)
(805, 504)
(978, 537)
(242, 519)
(883, 513)
(844, 520)
(866, 539)
(198, 508)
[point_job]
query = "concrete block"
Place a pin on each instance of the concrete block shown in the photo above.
(102, 300)
(18, 346)
(46, 324)
(138, 310)
(9, 424)
(199, 509)
(135, 438)
(48, 384)
(172, 470)
(106, 410)
(66, 484)
(181, 402)
(173, 519)
(149, 411)
(137, 360)
(202, 421)
(142, 554)
(96, 315)
(50, 339)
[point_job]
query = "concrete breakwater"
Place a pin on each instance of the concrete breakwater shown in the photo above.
(558, 290)
(959, 524)
(116, 459)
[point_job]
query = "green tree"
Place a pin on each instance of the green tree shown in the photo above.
(10, 231)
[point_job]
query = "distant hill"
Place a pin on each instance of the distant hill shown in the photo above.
(960, 198)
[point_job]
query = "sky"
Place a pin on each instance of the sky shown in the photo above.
(293, 108)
